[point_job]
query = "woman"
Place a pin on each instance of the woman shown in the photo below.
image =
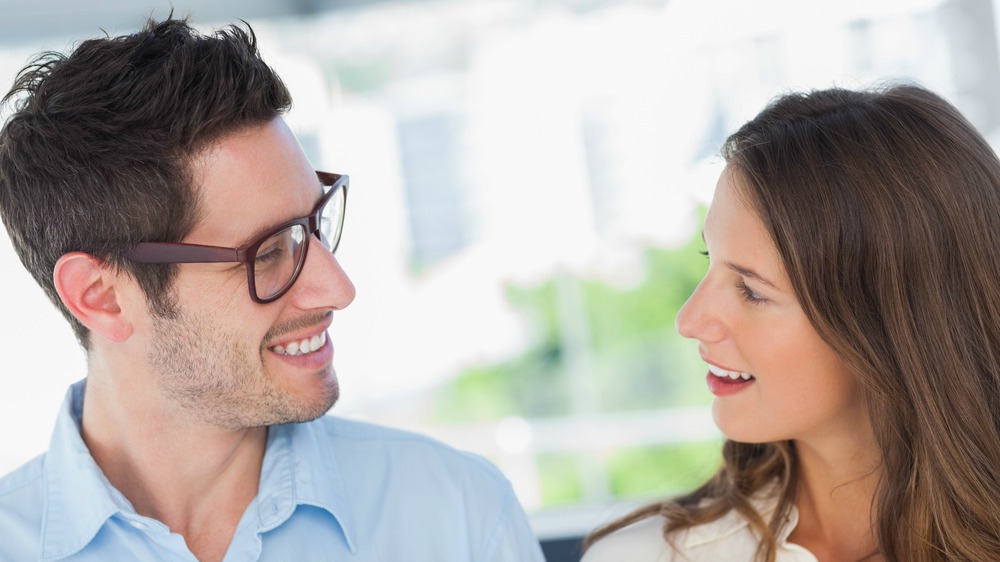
(850, 319)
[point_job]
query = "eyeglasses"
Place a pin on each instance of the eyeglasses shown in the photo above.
(274, 259)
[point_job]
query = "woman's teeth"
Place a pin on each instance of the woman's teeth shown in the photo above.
(307, 345)
(725, 374)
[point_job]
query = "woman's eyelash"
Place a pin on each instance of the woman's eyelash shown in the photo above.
(749, 294)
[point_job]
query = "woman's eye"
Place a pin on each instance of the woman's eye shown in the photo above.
(749, 295)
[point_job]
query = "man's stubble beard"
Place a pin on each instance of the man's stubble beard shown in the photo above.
(205, 370)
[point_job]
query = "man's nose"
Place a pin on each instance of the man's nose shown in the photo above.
(322, 282)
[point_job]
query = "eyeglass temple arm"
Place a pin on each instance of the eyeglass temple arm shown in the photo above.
(169, 252)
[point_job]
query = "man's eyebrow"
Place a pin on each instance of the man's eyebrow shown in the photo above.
(252, 236)
(749, 274)
(260, 232)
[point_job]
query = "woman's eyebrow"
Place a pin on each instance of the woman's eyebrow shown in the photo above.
(745, 271)
(749, 273)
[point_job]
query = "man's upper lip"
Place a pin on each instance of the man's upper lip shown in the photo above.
(302, 334)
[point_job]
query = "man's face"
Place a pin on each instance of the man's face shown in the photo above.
(229, 361)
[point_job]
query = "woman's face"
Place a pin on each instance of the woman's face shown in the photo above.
(773, 377)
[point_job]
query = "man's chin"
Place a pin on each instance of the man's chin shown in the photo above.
(310, 415)
(313, 407)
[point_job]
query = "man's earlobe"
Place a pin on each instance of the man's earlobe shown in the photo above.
(87, 288)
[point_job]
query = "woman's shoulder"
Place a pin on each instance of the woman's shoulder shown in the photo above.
(640, 541)
(726, 538)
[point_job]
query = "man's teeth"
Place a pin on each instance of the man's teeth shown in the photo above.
(307, 345)
(733, 375)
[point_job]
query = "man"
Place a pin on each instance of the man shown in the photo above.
(151, 187)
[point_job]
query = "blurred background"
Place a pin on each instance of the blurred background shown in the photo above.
(528, 180)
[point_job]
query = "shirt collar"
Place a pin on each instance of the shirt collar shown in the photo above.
(78, 498)
(300, 468)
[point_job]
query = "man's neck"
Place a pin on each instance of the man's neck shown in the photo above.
(195, 479)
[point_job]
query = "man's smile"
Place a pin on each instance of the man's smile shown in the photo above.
(301, 347)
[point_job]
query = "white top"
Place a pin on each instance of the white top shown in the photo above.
(726, 539)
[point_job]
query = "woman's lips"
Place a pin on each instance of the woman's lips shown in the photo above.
(723, 382)
(724, 386)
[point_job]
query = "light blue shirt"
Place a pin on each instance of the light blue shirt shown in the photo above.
(330, 489)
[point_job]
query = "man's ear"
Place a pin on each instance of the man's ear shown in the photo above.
(87, 288)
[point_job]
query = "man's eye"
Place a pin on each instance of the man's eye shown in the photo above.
(273, 250)
(270, 255)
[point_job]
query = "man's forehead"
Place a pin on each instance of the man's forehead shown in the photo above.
(250, 181)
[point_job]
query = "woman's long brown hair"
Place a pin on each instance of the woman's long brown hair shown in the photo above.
(884, 206)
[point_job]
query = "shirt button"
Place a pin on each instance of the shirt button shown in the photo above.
(138, 525)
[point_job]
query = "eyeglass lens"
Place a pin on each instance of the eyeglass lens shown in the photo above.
(277, 259)
(332, 220)
(280, 256)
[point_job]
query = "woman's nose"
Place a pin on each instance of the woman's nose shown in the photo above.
(698, 318)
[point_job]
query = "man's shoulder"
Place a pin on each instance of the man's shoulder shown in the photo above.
(405, 490)
(22, 503)
(357, 430)
(400, 445)
(394, 441)
(21, 480)
(348, 428)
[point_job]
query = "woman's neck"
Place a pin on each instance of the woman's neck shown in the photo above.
(834, 496)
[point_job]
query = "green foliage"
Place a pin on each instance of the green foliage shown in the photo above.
(530, 386)
(647, 472)
(637, 359)
(559, 477)
(633, 359)
(663, 470)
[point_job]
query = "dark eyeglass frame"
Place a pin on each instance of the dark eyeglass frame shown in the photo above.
(180, 252)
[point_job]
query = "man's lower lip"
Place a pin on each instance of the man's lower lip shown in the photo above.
(720, 387)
